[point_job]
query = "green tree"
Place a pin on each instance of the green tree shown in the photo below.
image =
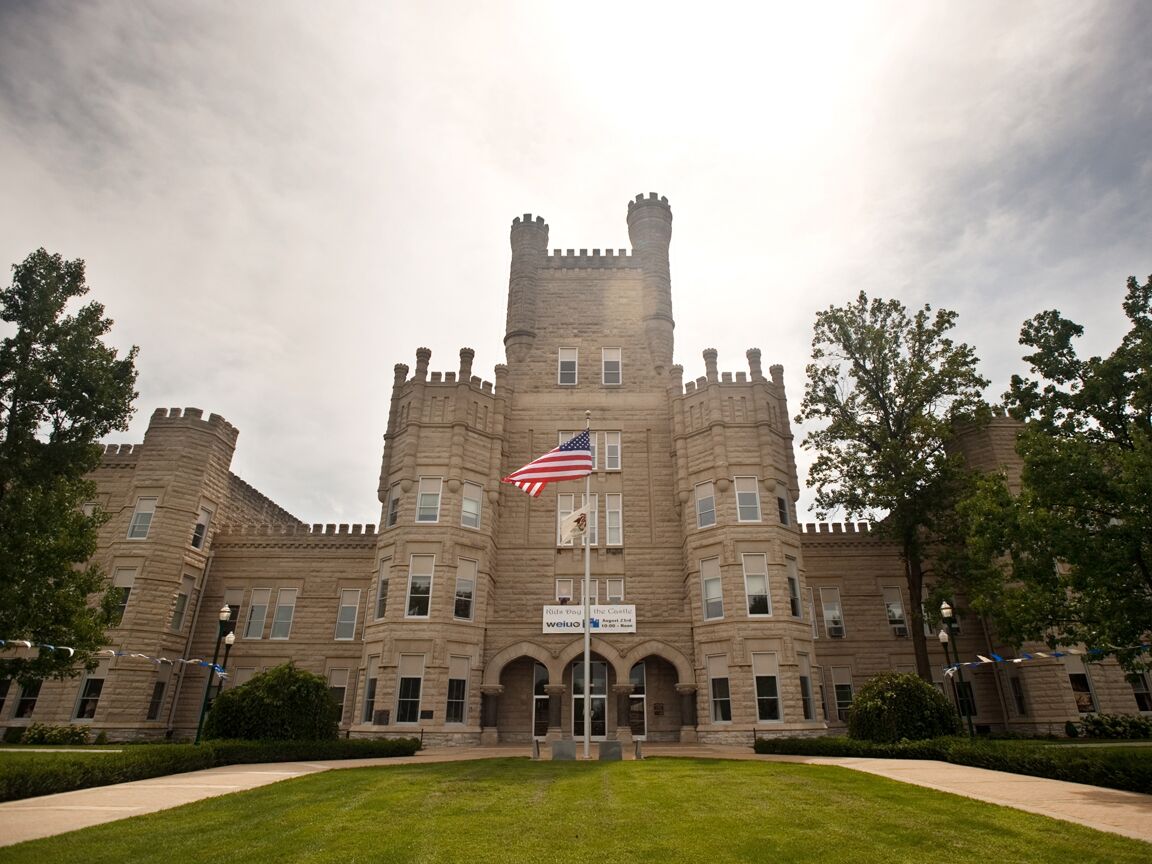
(893, 706)
(1068, 558)
(61, 390)
(888, 390)
(282, 704)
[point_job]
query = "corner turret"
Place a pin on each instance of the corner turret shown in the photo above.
(529, 239)
(650, 230)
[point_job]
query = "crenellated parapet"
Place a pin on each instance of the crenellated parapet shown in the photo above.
(837, 528)
(299, 530)
(583, 259)
(193, 418)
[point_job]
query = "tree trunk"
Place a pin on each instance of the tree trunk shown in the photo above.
(914, 571)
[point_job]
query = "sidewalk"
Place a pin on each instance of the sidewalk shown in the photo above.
(1125, 813)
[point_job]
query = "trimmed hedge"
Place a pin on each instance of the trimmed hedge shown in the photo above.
(283, 704)
(1113, 768)
(27, 775)
(898, 706)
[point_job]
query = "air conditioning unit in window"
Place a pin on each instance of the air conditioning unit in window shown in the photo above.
(900, 631)
(836, 632)
(381, 717)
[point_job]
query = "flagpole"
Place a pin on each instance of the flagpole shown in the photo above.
(588, 608)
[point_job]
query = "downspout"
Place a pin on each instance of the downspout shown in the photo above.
(188, 645)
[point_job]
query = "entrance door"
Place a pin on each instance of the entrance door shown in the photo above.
(599, 695)
(638, 703)
(539, 701)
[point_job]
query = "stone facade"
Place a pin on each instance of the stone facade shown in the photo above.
(747, 623)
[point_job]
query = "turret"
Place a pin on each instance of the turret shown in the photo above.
(529, 239)
(650, 230)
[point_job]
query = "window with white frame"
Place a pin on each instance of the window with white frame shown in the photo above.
(123, 579)
(257, 613)
(747, 499)
(565, 505)
(613, 373)
(394, 504)
(338, 688)
(712, 588)
(180, 606)
(842, 687)
(804, 662)
(90, 693)
(382, 587)
(411, 674)
(564, 591)
(566, 368)
(756, 583)
(200, 529)
(593, 591)
(428, 499)
(26, 704)
(1141, 691)
(282, 616)
(705, 505)
(472, 501)
(794, 605)
(812, 613)
(614, 518)
(564, 436)
(465, 589)
(457, 707)
(782, 509)
(347, 613)
(612, 451)
(233, 599)
(141, 518)
(371, 679)
(718, 684)
(833, 615)
(420, 570)
(894, 607)
(766, 672)
(1081, 684)
(615, 590)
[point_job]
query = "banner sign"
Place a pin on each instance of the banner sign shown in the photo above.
(617, 618)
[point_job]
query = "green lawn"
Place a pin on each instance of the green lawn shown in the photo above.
(660, 810)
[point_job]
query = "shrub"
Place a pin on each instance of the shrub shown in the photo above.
(1123, 726)
(39, 733)
(14, 734)
(896, 706)
(1071, 729)
(282, 704)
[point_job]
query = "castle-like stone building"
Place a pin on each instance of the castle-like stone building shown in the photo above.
(449, 620)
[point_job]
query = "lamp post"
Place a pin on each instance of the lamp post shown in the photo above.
(962, 703)
(225, 616)
(229, 641)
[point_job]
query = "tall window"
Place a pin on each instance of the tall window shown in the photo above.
(428, 499)
(718, 683)
(5, 684)
(613, 373)
(565, 504)
(26, 704)
(122, 581)
(347, 613)
(1018, 696)
(465, 589)
(457, 707)
(282, 617)
(612, 450)
(257, 613)
(593, 591)
(756, 583)
(805, 664)
(1142, 691)
(159, 686)
(394, 504)
(782, 509)
(180, 607)
(566, 370)
(894, 606)
(564, 591)
(408, 697)
(766, 671)
(200, 530)
(614, 518)
(564, 436)
(842, 687)
(90, 694)
(471, 502)
(338, 688)
(615, 590)
(833, 616)
(233, 598)
(382, 587)
(794, 606)
(420, 571)
(141, 518)
(966, 699)
(1081, 684)
(705, 505)
(747, 499)
(371, 677)
(713, 591)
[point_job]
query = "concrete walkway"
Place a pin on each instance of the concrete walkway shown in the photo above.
(1125, 813)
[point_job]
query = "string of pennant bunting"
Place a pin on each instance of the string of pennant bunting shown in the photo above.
(983, 660)
(112, 652)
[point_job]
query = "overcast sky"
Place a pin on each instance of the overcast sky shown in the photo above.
(278, 201)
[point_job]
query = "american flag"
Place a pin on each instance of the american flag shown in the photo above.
(570, 460)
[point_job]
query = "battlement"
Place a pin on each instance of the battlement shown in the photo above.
(300, 530)
(526, 221)
(570, 259)
(653, 200)
(463, 375)
(122, 449)
(712, 376)
(836, 528)
(193, 417)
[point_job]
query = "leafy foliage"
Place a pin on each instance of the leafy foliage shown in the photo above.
(895, 706)
(887, 390)
(1085, 498)
(41, 733)
(1117, 726)
(61, 390)
(282, 704)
